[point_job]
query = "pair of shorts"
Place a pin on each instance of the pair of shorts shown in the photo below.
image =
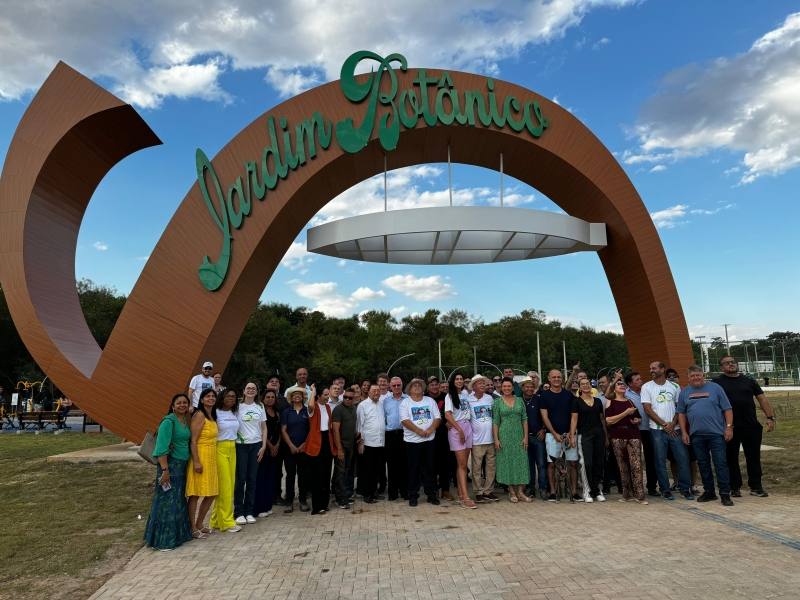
(455, 439)
(554, 449)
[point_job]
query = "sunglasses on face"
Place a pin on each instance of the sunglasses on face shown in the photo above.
(729, 362)
(348, 397)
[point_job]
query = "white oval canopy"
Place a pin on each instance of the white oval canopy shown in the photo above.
(455, 235)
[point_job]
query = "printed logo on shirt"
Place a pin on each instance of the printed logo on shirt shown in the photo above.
(206, 386)
(665, 395)
(420, 415)
(483, 413)
(250, 415)
(698, 395)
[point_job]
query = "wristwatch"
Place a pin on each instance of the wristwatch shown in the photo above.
(729, 425)
(771, 419)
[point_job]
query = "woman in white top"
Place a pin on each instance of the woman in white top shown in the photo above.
(227, 428)
(251, 443)
(456, 412)
(457, 383)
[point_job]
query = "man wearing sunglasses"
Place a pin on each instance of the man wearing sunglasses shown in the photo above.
(747, 431)
(201, 382)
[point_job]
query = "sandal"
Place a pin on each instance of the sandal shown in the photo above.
(207, 530)
(468, 503)
(525, 498)
(199, 535)
(513, 497)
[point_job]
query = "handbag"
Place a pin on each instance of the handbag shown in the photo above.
(148, 446)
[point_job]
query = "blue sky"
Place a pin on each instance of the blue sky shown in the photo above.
(700, 102)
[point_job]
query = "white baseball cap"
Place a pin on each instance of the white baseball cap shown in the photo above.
(207, 364)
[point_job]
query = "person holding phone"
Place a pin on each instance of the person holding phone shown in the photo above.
(168, 524)
(623, 420)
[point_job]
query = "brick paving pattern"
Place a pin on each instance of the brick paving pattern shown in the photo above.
(600, 551)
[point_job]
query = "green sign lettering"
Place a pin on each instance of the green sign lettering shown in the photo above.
(434, 99)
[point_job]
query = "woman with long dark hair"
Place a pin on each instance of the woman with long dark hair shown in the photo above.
(201, 476)
(592, 438)
(456, 384)
(227, 428)
(320, 448)
(168, 524)
(265, 480)
(459, 437)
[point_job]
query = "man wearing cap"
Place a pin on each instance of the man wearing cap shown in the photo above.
(420, 417)
(537, 453)
(556, 415)
(302, 382)
(445, 459)
(480, 406)
(201, 382)
(396, 455)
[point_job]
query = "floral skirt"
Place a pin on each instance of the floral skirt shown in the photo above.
(168, 525)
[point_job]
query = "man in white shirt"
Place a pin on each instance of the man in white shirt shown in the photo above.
(480, 405)
(201, 382)
(302, 382)
(660, 400)
(420, 417)
(371, 426)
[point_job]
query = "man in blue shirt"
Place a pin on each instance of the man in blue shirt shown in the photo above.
(396, 456)
(537, 454)
(556, 415)
(706, 421)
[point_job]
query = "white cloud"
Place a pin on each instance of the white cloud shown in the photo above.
(658, 168)
(297, 257)
(670, 217)
(143, 258)
(365, 293)
(423, 289)
(327, 299)
(100, 246)
(341, 263)
(600, 43)
(153, 50)
(397, 311)
(403, 192)
(747, 104)
(701, 211)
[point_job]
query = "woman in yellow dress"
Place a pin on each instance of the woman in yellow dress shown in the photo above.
(201, 476)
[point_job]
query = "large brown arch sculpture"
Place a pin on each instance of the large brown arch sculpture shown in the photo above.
(74, 132)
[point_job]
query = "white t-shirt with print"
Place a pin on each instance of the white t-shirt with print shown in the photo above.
(422, 414)
(227, 426)
(663, 399)
(459, 414)
(250, 417)
(481, 419)
(198, 384)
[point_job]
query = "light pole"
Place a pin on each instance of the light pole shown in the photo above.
(440, 341)
(538, 357)
(475, 359)
(702, 357)
(784, 355)
(727, 343)
(755, 349)
(746, 355)
(564, 348)
(397, 361)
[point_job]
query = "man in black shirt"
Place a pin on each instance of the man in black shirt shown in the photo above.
(556, 410)
(747, 431)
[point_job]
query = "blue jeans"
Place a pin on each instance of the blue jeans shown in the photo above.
(660, 442)
(537, 459)
(715, 445)
(244, 489)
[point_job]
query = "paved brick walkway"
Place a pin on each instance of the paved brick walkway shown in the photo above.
(541, 550)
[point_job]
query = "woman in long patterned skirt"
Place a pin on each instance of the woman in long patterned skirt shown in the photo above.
(168, 525)
(623, 420)
(510, 425)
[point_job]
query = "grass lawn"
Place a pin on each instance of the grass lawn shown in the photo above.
(66, 528)
(781, 473)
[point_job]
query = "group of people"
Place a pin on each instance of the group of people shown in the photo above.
(240, 456)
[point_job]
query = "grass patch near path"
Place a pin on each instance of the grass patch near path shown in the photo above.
(780, 467)
(66, 528)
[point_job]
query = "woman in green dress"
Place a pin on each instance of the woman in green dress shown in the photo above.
(168, 525)
(510, 425)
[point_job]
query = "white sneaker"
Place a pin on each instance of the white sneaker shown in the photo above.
(233, 529)
(241, 521)
(601, 498)
(589, 499)
(264, 514)
(251, 519)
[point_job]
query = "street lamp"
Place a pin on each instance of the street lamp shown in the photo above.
(397, 361)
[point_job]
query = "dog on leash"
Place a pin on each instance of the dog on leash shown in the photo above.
(563, 484)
